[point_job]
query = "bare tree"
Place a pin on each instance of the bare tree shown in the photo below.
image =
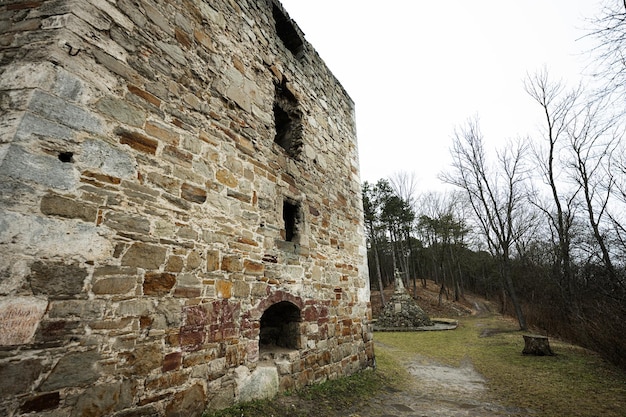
(404, 184)
(593, 138)
(609, 55)
(559, 110)
(583, 132)
(498, 197)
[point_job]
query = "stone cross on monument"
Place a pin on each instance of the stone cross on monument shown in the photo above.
(398, 282)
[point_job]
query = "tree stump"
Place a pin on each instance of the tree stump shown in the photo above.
(537, 345)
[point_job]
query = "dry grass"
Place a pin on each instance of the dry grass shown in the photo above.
(575, 382)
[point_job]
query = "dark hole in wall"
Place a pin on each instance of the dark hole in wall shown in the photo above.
(287, 32)
(66, 156)
(280, 326)
(290, 217)
(287, 121)
(283, 123)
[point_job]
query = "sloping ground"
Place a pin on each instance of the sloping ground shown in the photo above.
(428, 299)
(476, 370)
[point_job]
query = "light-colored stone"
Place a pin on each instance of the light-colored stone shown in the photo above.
(141, 209)
(258, 384)
(19, 318)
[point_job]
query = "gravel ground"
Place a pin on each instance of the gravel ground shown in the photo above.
(437, 391)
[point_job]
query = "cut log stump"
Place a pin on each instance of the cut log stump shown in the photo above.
(537, 345)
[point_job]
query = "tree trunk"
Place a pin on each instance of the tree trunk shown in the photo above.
(510, 288)
(379, 273)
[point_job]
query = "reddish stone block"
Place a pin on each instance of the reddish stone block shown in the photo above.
(253, 267)
(172, 361)
(195, 316)
(24, 5)
(232, 263)
(191, 338)
(144, 95)
(182, 38)
(145, 322)
(158, 283)
(102, 178)
(310, 314)
(193, 193)
(138, 141)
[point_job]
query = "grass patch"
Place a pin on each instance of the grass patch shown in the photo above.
(327, 398)
(574, 383)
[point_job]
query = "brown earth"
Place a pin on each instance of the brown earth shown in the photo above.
(428, 299)
(436, 390)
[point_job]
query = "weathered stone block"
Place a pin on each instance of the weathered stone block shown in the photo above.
(232, 263)
(240, 289)
(114, 285)
(73, 370)
(212, 260)
(41, 403)
(101, 155)
(172, 361)
(83, 309)
(64, 112)
(137, 141)
(44, 170)
(56, 205)
(19, 318)
(144, 358)
(137, 307)
(193, 193)
(150, 98)
(56, 279)
(260, 383)
(144, 255)
(190, 402)
(253, 267)
(101, 400)
(121, 111)
(127, 223)
(33, 126)
(226, 177)
(158, 283)
(19, 376)
(224, 289)
(174, 264)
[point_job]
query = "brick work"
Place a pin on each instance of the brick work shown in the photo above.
(147, 152)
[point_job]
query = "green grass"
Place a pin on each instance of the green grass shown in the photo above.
(574, 383)
(327, 398)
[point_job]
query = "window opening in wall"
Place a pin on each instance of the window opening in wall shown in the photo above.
(280, 328)
(287, 121)
(65, 156)
(287, 32)
(290, 217)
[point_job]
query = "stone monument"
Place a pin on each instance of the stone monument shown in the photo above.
(402, 312)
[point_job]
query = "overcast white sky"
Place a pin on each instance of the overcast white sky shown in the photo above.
(417, 69)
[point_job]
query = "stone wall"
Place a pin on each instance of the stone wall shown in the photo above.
(168, 172)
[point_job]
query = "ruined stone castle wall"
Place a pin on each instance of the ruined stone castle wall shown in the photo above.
(169, 171)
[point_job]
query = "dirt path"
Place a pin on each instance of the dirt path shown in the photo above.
(437, 391)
